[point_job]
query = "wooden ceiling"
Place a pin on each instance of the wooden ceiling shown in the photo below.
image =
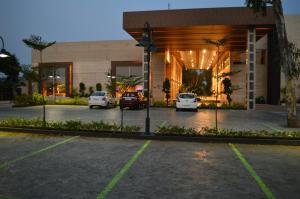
(188, 29)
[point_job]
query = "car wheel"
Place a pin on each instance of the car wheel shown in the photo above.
(91, 107)
(177, 109)
(195, 110)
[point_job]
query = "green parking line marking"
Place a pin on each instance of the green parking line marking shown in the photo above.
(270, 127)
(249, 168)
(121, 173)
(7, 164)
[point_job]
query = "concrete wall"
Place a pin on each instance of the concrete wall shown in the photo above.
(91, 60)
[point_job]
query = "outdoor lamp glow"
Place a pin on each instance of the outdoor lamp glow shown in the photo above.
(3, 53)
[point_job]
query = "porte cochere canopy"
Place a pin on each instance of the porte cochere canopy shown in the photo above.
(187, 29)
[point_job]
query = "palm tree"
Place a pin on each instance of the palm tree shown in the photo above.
(287, 63)
(126, 83)
(217, 44)
(31, 75)
(35, 42)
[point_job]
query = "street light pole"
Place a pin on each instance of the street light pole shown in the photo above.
(149, 46)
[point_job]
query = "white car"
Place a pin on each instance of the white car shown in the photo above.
(186, 101)
(101, 99)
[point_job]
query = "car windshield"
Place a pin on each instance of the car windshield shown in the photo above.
(129, 94)
(98, 94)
(186, 96)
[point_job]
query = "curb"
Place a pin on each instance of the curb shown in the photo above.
(139, 136)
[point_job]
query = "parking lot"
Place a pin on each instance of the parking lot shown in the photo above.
(270, 119)
(78, 167)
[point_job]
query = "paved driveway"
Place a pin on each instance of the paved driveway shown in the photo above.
(232, 119)
(89, 168)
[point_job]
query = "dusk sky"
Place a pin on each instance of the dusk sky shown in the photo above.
(79, 20)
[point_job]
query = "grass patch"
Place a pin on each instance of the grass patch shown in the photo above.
(72, 101)
(70, 125)
(174, 130)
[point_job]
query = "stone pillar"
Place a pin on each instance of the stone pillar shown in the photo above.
(251, 63)
(157, 76)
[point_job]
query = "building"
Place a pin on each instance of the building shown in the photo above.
(180, 37)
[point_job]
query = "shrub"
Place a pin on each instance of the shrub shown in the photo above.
(164, 129)
(159, 104)
(29, 100)
(212, 105)
(38, 99)
(82, 89)
(91, 90)
(72, 125)
(98, 87)
(260, 100)
(225, 106)
(23, 100)
(74, 93)
(237, 105)
(203, 105)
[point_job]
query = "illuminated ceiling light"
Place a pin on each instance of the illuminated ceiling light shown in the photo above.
(168, 56)
(204, 51)
(191, 51)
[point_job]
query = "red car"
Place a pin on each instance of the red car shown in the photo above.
(132, 100)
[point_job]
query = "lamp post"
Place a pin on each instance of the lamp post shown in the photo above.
(3, 52)
(54, 76)
(148, 45)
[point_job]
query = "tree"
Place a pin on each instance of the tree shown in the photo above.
(36, 43)
(82, 89)
(110, 85)
(228, 87)
(286, 61)
(91, 90)
(10, 66)
(126, 83)
(98, 87)
(217, 44)
(167, 89)
(30, 74)
(228, 90)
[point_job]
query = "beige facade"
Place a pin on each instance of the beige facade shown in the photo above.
(90, 60)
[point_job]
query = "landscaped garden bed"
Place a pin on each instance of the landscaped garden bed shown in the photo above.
(162, 130)
(69, 125)
(174, 130)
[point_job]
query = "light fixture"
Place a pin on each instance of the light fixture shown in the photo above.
(168, 56)
(204, 51)
(3, 52)
(191, 52)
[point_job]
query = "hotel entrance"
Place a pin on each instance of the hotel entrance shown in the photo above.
(190, 62)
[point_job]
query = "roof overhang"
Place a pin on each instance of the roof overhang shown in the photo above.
(187, 29)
